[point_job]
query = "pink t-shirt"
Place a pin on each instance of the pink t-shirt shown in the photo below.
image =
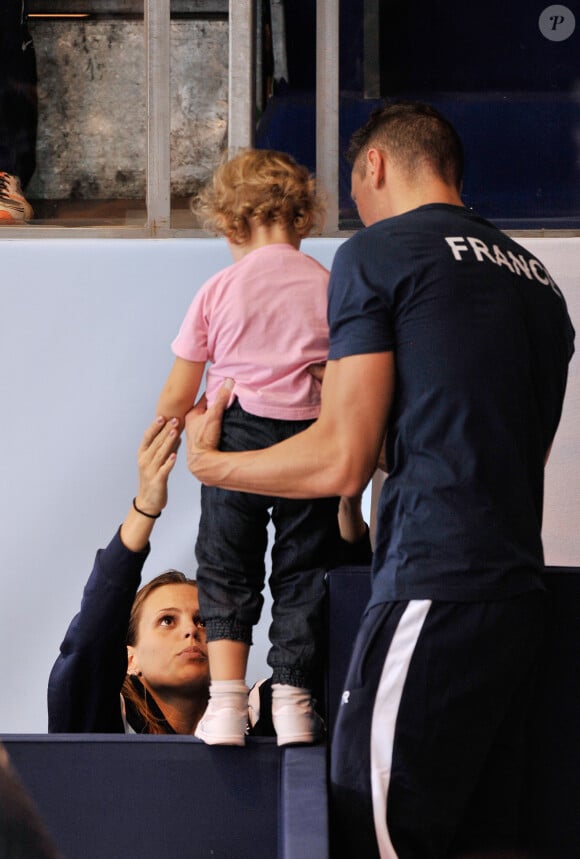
(261, 322)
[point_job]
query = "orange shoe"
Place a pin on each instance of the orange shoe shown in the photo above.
(14, 207)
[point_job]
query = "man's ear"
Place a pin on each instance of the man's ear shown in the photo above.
(132, 665)
(376, 166)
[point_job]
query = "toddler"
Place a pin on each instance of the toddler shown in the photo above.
(261, 322)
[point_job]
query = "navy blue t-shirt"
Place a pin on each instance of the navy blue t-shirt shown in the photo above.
(482, 341)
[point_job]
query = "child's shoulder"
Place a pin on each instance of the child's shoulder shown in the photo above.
(314, 264)
(218, 277)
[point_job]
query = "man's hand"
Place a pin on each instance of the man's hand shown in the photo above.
(203, 426)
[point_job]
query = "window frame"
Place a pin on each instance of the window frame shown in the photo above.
(241, 113)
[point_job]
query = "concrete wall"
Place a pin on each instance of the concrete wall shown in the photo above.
(92, 106)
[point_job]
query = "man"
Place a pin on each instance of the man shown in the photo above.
(18, 112)
(454, 339)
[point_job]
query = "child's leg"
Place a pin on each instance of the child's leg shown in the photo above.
(226, 719)
(305, 545)
(228, 660)
(230, 552)
(230, 577)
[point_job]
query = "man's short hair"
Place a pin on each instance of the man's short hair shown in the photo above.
(414, 134)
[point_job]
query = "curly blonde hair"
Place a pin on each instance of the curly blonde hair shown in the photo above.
(261, 186)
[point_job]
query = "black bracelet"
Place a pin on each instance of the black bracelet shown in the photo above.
(142, 512)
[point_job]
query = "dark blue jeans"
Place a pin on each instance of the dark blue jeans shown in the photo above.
(18, 97)
(230, 550)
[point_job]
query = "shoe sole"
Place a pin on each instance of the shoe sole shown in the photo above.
(297, 729)
(210, 740)
(298, 740)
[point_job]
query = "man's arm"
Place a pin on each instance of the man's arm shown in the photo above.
(336, 455)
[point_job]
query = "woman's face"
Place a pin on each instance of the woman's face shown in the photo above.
(170, 653)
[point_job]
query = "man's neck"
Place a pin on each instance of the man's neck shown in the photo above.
(408, 198)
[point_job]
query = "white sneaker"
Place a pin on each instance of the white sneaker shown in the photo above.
(222, 727)
(225, 721)
(295, 720)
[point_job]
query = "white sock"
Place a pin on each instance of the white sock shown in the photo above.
(295, 696)
(228, 693)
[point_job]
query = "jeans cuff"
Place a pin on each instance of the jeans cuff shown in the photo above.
(220, 628)
(291, 676)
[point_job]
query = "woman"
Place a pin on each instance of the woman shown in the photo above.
(135, 661)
